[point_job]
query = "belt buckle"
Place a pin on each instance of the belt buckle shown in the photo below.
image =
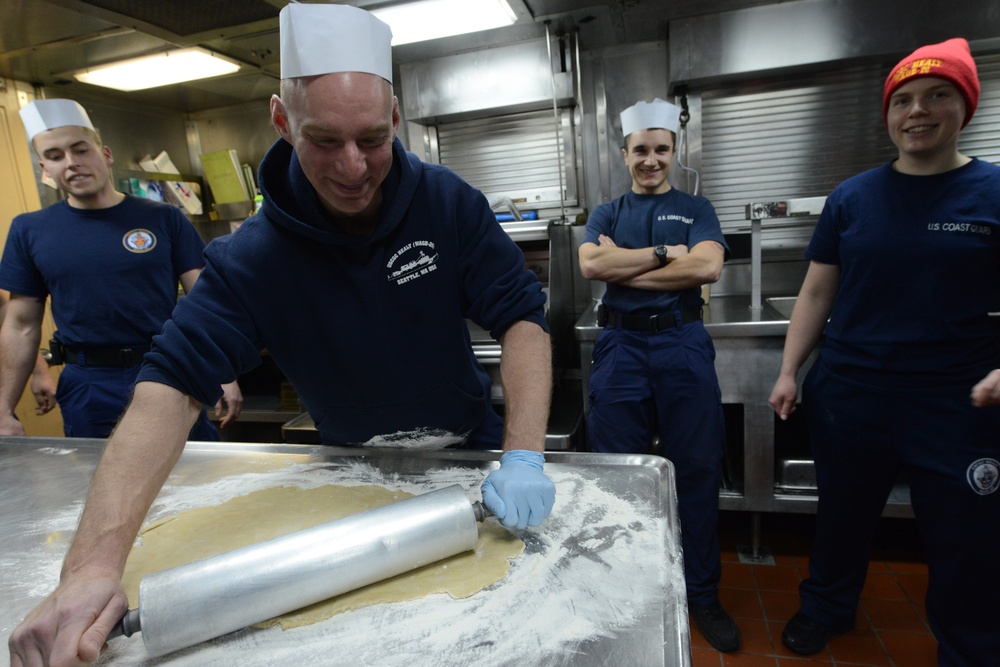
(654, 323)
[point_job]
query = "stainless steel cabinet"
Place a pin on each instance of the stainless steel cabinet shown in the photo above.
(768, 468)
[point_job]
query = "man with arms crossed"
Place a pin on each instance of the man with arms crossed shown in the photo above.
(653, 372)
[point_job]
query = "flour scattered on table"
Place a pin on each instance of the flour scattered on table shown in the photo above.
(597, 565)
(45, 562)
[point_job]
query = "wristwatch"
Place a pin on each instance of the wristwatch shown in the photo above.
(660, 252)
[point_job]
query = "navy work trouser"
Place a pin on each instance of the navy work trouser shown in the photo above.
(93, 398)
(644, 385)
(949, 450)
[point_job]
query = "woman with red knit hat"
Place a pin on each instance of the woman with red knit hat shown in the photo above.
(904, 271)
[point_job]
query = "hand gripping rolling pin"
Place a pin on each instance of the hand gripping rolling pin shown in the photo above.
(192, 603)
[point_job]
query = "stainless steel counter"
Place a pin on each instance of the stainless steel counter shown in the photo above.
(748, 348)
(600, 583)
(731, 322)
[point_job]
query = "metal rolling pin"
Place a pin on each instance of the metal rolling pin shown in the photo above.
(192, 603)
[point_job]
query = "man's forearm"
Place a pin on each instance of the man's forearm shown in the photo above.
(812, 310)
(609, 263)
(526, 372)
(680, 274)
(804, 332)
(18, 354)
(139, 456)
(40, 365)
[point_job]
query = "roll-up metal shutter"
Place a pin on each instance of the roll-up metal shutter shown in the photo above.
(800, 136)
(981, 137)
(518, 156)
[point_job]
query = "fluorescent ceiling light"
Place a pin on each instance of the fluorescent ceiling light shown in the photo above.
(431, 19)
(160, 69)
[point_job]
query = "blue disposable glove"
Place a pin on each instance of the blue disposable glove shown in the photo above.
(519, 493)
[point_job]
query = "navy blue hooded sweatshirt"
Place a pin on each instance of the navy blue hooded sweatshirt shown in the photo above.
(370, 331)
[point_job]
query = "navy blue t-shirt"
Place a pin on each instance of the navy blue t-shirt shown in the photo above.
(919, 261)
(644, 221)
(112, 272)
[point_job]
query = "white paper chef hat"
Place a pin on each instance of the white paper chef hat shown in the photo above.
(647, 115)
(322, 38)
(42, 115)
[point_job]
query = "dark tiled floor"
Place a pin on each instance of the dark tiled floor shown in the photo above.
(891, 629)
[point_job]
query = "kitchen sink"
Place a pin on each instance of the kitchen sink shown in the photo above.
(795, 476)
(782, 304)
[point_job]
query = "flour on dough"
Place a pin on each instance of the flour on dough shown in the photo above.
(269, 513)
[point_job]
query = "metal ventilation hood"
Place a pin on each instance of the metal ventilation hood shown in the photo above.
(42, 40)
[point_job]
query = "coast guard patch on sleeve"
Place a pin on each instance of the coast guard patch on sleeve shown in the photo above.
(139, 240)
(984, 476)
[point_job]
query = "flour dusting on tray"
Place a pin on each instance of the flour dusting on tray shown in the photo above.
(595, 566)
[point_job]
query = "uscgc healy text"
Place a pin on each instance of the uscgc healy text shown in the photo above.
(414, 262)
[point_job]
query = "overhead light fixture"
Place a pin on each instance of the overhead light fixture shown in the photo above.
(432, 19)
(160, 69)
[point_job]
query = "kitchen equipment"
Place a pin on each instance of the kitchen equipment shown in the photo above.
(213, 596)
(510, 217)
(756, 212)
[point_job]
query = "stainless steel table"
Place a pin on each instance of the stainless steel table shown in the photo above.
(600, 583)
(748, 348)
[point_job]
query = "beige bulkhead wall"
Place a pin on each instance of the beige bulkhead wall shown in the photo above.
(19, 194)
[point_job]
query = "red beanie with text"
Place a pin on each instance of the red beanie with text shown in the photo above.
(950, 60)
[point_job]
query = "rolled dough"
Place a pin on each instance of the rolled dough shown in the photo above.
(263, 515)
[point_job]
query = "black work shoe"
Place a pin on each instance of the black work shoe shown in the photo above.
(806, 636)
(717, 626)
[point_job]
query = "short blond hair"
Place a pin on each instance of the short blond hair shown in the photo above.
(91, 133)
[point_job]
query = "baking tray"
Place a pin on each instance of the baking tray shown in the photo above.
(600, 583)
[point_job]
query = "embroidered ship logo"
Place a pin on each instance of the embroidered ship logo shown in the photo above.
(139, 240)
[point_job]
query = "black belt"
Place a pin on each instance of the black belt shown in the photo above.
(651, 323)
(113, 356)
